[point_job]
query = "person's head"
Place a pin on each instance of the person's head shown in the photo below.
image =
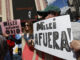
(3, 47)
(28, 26)
(49, 11)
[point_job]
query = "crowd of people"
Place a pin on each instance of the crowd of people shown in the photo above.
(7, 42)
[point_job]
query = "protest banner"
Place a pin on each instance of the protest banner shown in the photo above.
(53, 36)
(11, 27)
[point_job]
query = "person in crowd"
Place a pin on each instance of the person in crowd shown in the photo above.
(4, 52)
(49, 12)
(75, 44)
(52, 11)
(28, 33)
(18, 38)
(18, 41)
(78, 19)
(11, 43)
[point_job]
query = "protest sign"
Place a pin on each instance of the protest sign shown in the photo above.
(11, 27)
(53, 36)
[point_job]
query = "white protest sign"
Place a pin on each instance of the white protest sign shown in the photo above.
(53, 36)
(11, 27)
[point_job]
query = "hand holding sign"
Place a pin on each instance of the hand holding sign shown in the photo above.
(75, 45)
(6, 35)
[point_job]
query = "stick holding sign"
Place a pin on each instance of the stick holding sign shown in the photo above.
(53, 36)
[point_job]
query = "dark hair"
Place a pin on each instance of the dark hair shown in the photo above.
(3, 47)
(30, 26)
(50, 12)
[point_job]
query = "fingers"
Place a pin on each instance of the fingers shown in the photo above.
(6, 35)
(75, 45)
(31, 42)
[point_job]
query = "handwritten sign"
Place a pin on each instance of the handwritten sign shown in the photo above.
(53, 36)
(11, 27)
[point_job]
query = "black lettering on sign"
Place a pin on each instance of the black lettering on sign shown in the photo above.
(64, 42)
(40, 37)
(16, 26)
(48, 26)
(55, 37)
(12, 32)
(5, 23)
(45, 39)
(69, 32)
(36, 39)
(10, 23)
(7, 31)
(54, 25)
(54, 19)
(17, 31)
(40, 26)
(49, 39)
(13, 27)
(14, 22)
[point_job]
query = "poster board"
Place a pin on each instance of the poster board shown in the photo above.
(53, 36)
(11, 27)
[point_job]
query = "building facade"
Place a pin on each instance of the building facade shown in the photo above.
(41, 4)
(6, 10)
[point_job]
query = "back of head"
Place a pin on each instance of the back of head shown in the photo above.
(50, 8)
(3, 47)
